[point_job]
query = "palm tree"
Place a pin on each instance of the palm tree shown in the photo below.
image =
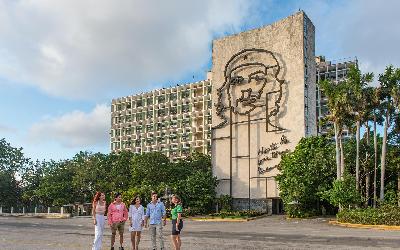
(338, 107)
(357, 83)
(388, 80)
(377, 118)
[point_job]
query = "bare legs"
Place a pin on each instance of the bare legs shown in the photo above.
(113, 238)
(135, 239)
(176, 242)
(121, 238)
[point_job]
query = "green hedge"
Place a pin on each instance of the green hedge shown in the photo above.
(238, 214)
(386, 215)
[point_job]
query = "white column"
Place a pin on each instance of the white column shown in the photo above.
(23, 210)
(62, 210)
(12, 209)
(48, 210)
(1, 209)
(35, 210)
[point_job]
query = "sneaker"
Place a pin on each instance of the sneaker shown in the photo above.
(121, 248)
(112, 248)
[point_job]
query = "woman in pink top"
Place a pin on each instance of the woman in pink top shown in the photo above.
(98, 211)
(117, 215)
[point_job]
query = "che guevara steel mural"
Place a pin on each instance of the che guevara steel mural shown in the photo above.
(244, 68)
(252, 88)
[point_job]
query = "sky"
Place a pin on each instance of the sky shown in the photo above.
(63, 61)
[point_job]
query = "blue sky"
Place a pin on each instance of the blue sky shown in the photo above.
(61, 62)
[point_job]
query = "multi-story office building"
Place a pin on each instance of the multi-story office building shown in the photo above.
(335, 71)
(174, 121)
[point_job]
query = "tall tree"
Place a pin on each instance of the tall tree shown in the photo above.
(338, 105)
(388, 80)
(356, 81)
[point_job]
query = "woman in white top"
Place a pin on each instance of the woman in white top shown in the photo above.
(136, 221)
(98, 210)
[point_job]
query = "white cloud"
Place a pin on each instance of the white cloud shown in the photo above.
(87, 49)
(75, 129)
(7, 129)
(366, 29)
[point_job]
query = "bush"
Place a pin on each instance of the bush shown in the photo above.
(238, 214)
(304, 174)
(385, 215)
(343, 192)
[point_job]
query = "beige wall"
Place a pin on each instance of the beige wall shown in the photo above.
(286, 42)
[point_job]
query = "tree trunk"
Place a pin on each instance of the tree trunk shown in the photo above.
(398, 189)
(338, 169)
(358, 154)
(375, 159)
(383, 156)
(367, 169)
(341, 156)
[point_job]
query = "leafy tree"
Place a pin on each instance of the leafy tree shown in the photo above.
(55, 188)
(12, 161)
(306, 172)
(343, 192)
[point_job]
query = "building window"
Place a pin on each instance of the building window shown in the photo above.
(139, 103)
(149, 128)
(185, 94)
(173, 110)
(172, 96)
(139, 117)
(149, 114)
(161, 112)
(185, 108)
(149, 101)
(161, 99)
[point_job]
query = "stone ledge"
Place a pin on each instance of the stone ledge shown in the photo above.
(219, 219)
(351, 225)
(45, 216)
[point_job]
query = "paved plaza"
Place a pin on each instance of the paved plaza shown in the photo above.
(274, 232)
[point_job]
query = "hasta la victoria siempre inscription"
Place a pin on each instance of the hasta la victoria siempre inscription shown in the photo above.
(269, 153)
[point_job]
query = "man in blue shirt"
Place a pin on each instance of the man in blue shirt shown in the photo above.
(156, 212)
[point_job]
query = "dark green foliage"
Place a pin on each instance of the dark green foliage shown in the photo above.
(53, 183)
(385, 215)
(305, 173)
(343, 192)
(238, 214)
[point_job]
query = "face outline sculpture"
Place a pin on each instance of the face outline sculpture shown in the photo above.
(258, 68)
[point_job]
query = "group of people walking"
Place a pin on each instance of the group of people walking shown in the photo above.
(118, 214)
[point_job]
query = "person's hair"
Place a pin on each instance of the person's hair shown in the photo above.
(96, 197)
(154, 193)
(133, 202)
(116, 195)
(178, 198)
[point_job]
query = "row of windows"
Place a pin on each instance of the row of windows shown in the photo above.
(157, 99)
(172, 148)
(149, 114)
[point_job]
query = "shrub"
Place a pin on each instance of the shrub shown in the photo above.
(304, 174)
(235, 214)
(343, 192)
(385, 215)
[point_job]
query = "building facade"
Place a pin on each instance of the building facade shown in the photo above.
(335, 71)
(175, 121)
(264, 103)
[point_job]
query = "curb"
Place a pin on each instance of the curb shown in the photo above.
(43, 216)
(226, 219)
(363, 226)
